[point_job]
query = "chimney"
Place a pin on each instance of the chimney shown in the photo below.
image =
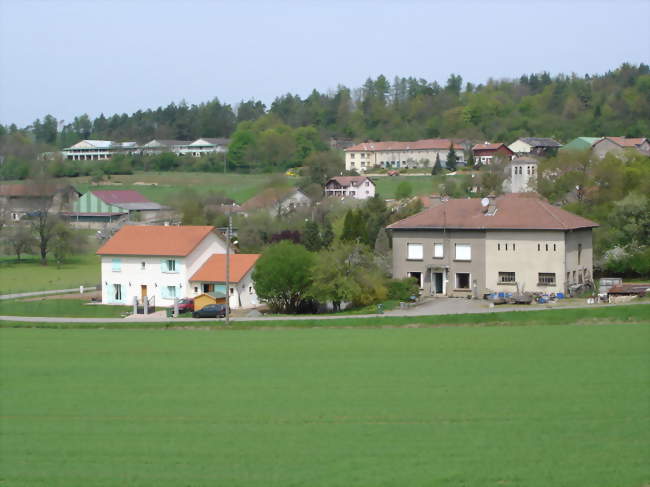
(492, 205)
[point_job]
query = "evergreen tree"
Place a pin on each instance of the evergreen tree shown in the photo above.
(327, 236)
(451, 158)
(470, 160)
(311, 238)
(437, 167)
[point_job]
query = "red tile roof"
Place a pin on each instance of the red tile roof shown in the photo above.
(423, 144)
(268, 198)
(346, 181)
(516, 211)
(116, 196)
(155, 240)
(214, 269)
(625, 142)
(494, 146)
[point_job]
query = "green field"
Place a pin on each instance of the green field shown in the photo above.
(239, 187)
(468, 406)
(422, 185)
(69, 308)
(30, 275)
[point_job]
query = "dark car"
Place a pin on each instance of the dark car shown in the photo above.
(185, 305)
(211, 311)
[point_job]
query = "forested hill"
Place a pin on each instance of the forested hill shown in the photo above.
(562, 107)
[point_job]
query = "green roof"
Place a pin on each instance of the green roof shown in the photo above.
(581, 143)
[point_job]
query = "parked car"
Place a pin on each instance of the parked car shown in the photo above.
(185, 305)
(211, 311)
(393, 172)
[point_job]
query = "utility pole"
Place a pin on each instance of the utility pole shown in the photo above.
(228, 236)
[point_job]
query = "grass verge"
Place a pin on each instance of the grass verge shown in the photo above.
(621, 314)
(68, 308)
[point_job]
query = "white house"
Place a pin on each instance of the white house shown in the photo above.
(88, 150)
(211, 278)
(399, 154)
(207, 145)
(157, 146)
(359, 187)
(540, 146)
(155, 261)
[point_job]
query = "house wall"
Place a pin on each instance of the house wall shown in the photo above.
(528, 253)
(582, 270)
(604, 147)
(447, 264)
(523, 177)
(241, 294)
(362, 160)
(132, 275)
(519, 147)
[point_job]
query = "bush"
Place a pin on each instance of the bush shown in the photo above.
(402, 289)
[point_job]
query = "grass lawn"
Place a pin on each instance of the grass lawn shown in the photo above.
(516, 406)
(71, 308)
(30, 275)
(239, 187)
(422, 185)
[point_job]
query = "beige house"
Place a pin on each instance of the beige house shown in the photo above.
(277, 201)
(540, 146)
(620, 145)
(359, 187)
(396, 155)
(464, 247)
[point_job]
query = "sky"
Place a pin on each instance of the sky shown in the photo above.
(69, 57)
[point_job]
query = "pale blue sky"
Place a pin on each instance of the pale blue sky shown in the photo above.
(67, 57)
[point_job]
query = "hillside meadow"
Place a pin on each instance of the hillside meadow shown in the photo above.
(516, 406)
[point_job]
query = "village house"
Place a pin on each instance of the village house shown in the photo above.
(277, 201)
(485, 153)
(359, 187)
(155, 262)
(207, 145)
(415, 154)
(537, 146)
(158, 146)
(18, 200)
(516, 242)
(620, 145)
(95, 150)
(99, 207)
(210, 279)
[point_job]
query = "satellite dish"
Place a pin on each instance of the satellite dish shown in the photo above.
(485, 202)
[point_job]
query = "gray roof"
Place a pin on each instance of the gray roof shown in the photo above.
(166, 143)
(140, 206)
(541, 142)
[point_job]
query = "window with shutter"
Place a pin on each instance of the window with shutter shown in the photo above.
(463, 252)
(414, 251)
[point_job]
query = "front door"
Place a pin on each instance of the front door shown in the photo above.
(437, 282)
(143, 291)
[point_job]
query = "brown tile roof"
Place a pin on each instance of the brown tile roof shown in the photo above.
(423, 144)
(32, 190)
(486, 146)
(155, 240)
(214, 269)
(630, 288)
(346, 181)
(516, 211)
(116, 196)
(625, 142)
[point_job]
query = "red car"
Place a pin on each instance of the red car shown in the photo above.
(185, 305)
(393, 173)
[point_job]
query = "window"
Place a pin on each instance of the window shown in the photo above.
(171, 292)
(547, 247)
(579, 252)
(462, 280)
(116, 265)
(232, 290)
(15, 217)
(169, 265)
(143, 265)
(538, 247)
(196, 289)
(506, 246)
(352, 155)
(363, 155)
(546, 279)
(506, 277)
(554, 247)
(498, 246)
(250, 289)
(463, 252)
(414, 252)
(117, 292)
(513, 247)
(438, 251)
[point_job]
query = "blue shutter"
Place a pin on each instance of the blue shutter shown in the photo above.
(163, 265)
(111, 293)
(117, 265)
(163, 292)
